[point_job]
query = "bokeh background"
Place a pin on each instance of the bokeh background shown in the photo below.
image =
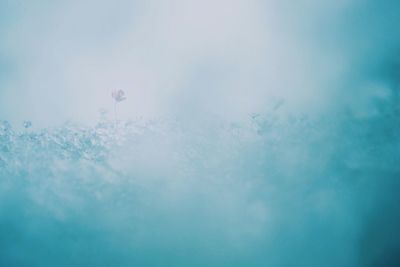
(255, 133)
(60, 60)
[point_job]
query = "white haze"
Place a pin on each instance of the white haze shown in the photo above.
(173, 58)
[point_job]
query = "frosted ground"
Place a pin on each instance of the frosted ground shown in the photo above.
(272, 191)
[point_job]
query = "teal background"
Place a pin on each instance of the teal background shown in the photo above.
(255, 133)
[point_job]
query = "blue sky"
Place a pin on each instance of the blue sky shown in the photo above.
(59, 60)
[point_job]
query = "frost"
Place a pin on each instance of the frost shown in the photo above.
(115, 193)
